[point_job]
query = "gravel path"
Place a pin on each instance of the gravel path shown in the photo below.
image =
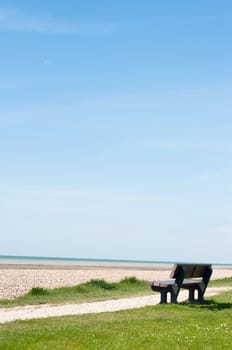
(44, 311)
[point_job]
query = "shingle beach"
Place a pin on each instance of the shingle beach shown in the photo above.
(18, 280)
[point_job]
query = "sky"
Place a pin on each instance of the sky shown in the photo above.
(115, 129)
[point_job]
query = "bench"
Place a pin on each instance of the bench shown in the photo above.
(193, 277)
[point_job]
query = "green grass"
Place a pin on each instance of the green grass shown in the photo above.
(178, 327)
(224, 282)
(90, 291)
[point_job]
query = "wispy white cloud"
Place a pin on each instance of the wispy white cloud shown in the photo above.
(35, 195)
(222, 230)
(178, 145)
(214, 175)
(15, 20)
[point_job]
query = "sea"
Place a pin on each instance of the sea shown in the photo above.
(35, 261)
(8, 260)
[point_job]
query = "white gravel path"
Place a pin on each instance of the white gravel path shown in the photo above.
(44, 311)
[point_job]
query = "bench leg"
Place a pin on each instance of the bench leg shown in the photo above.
(191, 295)
(173, 298)
(163, 297)
(200, 296)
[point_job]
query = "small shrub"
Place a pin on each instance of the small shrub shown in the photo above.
(101, 284)
(130, 280)
(37, 291)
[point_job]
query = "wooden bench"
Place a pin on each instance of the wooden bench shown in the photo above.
(194, 277)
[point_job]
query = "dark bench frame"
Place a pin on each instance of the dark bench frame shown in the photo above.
(193, 277)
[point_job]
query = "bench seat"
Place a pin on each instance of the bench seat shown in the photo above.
(171, 286)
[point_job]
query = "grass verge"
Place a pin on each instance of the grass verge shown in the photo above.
(91, 291)
(224, 282)
(205, 327)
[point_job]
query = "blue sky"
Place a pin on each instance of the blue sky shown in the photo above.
(115, 129)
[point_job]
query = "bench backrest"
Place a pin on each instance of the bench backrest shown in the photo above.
(179, 275)
(193, 270)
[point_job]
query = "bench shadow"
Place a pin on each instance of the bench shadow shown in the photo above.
(209, 304)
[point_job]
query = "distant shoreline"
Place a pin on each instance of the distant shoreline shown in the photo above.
(24, 262)
(93, 266)
(53, 266)
(37, 262)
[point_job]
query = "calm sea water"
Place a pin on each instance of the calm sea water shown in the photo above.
(28, 260)
(54, 261)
